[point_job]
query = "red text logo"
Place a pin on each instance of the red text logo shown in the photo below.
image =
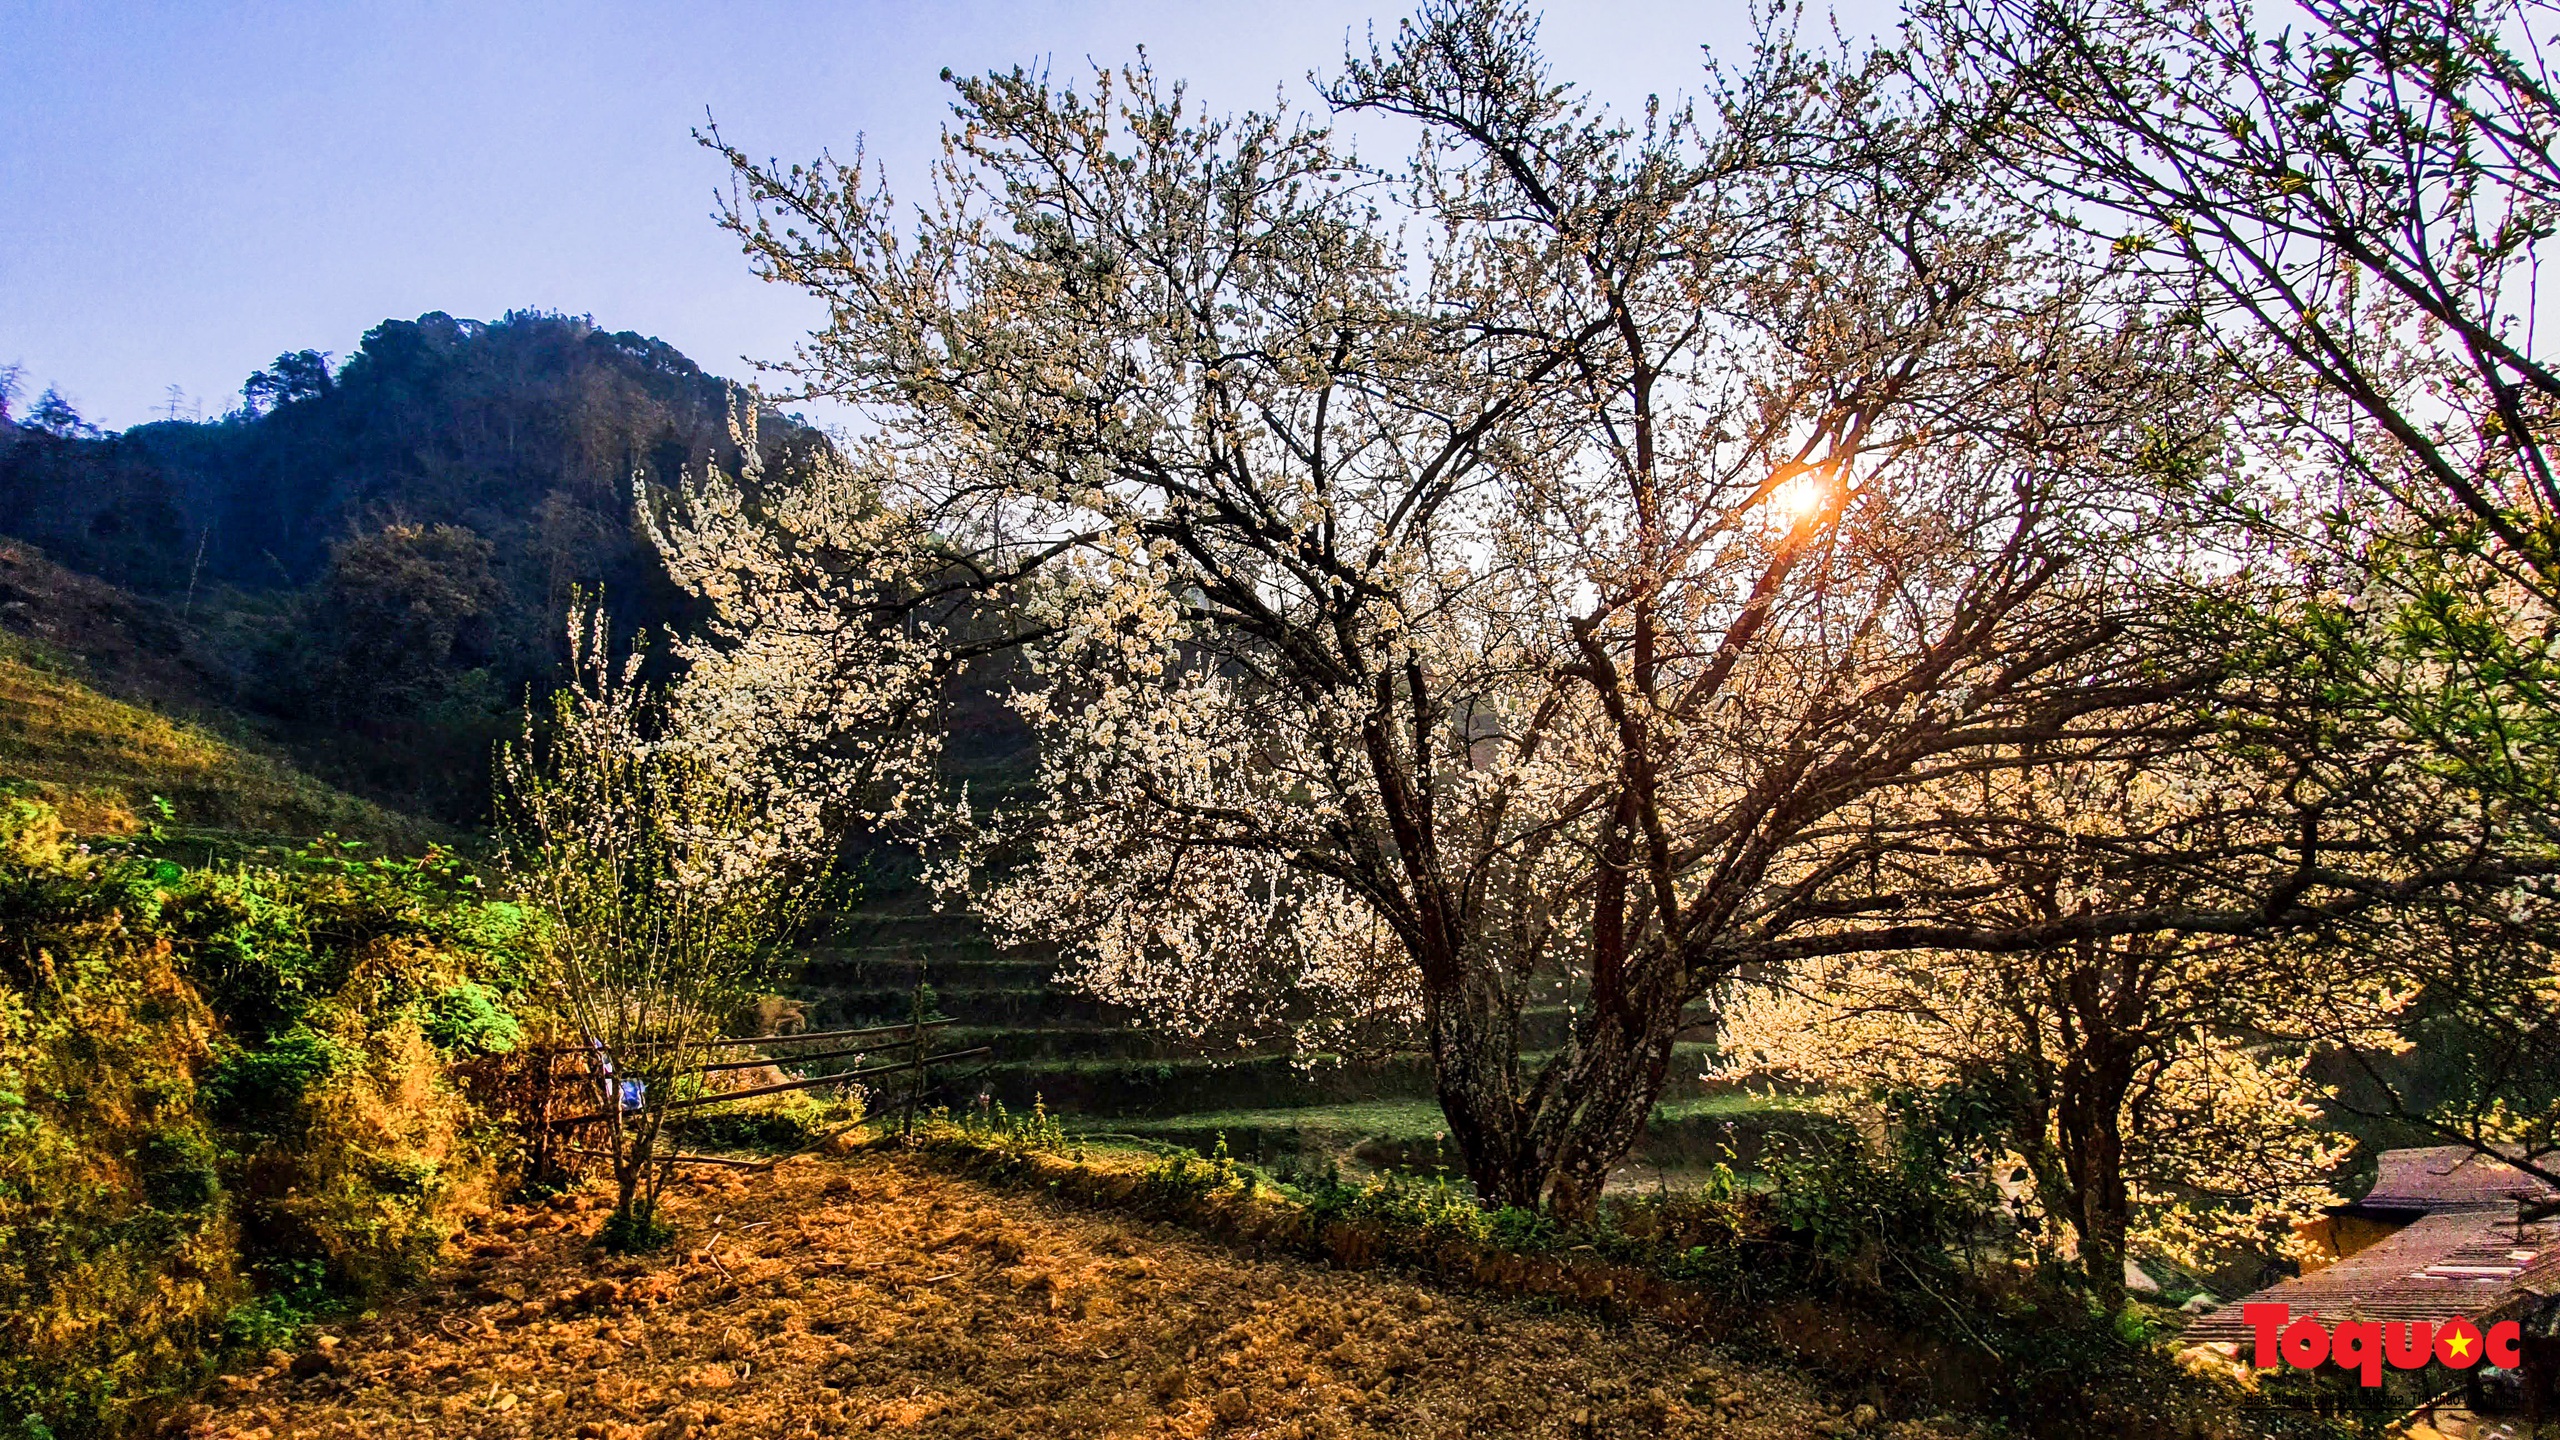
(2365, 1346)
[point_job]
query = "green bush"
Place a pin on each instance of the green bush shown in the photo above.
(263, 1087)
(990, 1126)
(1178, 1179)
(179, 1170)
(290, 1295)
(468, 1017)
(627, 1234)
(221, 1107)
(783, 1122)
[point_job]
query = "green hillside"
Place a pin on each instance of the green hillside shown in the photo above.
(112, 767)
(374, 559)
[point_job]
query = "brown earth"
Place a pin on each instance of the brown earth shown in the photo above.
(871, 1294)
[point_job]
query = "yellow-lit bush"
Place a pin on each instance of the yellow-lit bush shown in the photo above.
(388, 1165)
(224, 1103)
(116, 1246)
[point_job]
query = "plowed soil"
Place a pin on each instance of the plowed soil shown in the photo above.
(871, 1294)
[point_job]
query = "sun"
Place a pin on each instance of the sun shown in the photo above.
(1801, 501)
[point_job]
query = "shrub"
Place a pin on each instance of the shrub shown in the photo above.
(220, 1111)
(468, 1017)
(1180, 1178)
(1429, 1209)
(628, 1233)
(116, 1260)
(262, 1088)
(385, 1169)
(781, 1122)
(291, 1294)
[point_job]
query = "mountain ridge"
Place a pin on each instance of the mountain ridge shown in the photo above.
(373, 561)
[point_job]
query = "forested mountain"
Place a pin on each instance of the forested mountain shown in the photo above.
(378, 554)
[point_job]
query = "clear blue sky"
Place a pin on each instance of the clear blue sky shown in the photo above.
(190, 189)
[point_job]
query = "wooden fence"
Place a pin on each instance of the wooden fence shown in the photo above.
(533, 1086)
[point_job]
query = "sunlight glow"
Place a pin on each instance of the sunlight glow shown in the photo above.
(1802, 501)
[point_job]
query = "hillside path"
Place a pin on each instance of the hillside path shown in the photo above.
(872, 1295)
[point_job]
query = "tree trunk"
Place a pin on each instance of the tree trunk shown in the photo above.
(633, 1139)
(1550, 1143)
(2091, 1117)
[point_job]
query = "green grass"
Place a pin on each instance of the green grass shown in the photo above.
(1723, 1105)
(101, 762)
(1361, 1119)
(1686, 1139)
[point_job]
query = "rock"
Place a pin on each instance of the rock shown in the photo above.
(2139, 1281)
(2201, 1303)
(312, 1364)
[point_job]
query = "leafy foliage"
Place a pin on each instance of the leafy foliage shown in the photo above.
(117, 1258)
(220, 1108)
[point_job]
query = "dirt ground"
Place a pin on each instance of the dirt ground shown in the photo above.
(872, 1295)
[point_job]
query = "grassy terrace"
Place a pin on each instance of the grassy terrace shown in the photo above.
(1104, 1073)
(1685, 1136)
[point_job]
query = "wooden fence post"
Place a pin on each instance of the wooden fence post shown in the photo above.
(915, 1080)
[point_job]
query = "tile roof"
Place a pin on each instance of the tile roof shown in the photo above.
(2438, 1177)
(2464, 1254)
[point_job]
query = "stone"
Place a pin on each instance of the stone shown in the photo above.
(312, 1364)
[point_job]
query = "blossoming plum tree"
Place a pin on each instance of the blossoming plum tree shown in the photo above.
(2154, 1090)
(2351, 205)
(1527, 588)
(664, 887)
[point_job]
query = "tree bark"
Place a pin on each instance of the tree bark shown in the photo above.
(2090, 1115)
(1549, 1142)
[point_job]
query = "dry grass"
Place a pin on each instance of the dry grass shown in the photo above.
(99, 761)
(872, 1295)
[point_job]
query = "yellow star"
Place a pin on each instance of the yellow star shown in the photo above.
(2460, 1344)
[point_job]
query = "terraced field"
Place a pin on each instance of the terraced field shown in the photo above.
(1102, 1071)
(116, 768)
